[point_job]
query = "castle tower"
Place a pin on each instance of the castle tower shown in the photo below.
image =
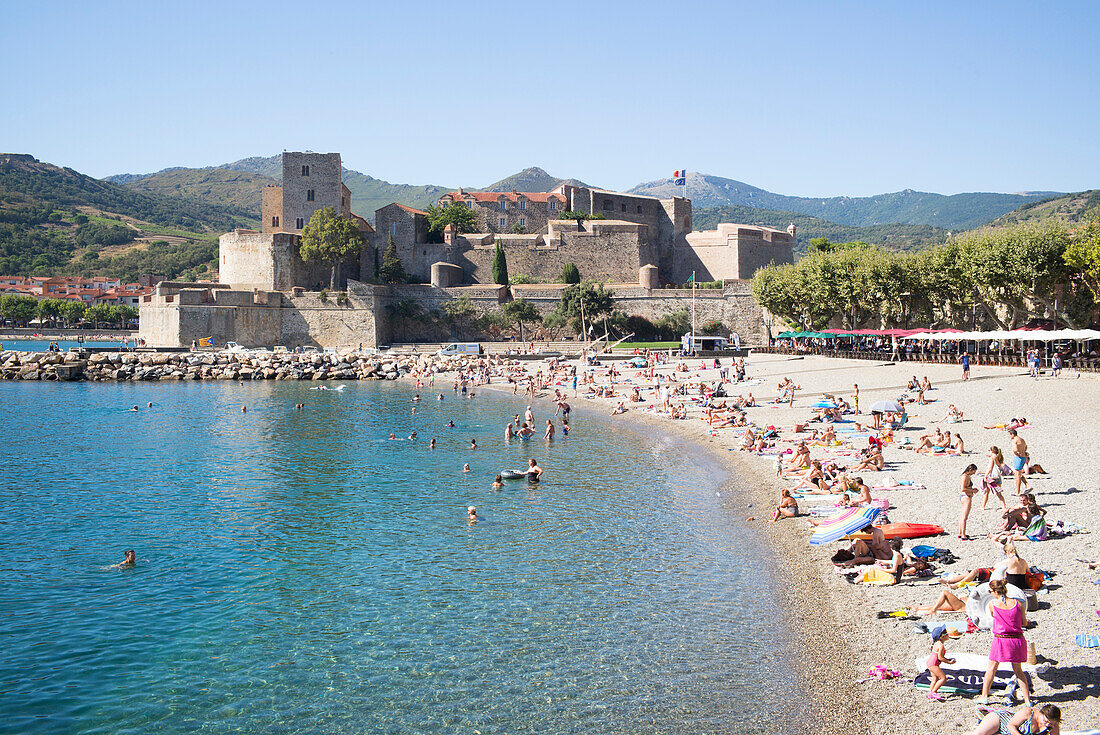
(310, 181)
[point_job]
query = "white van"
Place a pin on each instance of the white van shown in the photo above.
(461, 348)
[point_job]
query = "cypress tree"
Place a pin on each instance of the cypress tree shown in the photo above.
(500, 266)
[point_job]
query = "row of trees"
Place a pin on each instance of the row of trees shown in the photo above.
(21, 310)
(1007, 275)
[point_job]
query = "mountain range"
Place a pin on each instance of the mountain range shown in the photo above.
(953, 212)
(218, 185)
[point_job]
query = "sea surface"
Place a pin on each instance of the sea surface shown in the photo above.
(298, 572)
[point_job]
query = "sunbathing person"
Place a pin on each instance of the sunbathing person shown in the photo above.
(955, 446)
(928, 442)
(749, 439)
(873, 461)
(787, 508)
(870, 551)
(864, 497)
(1012, 424)
(813, 478)
(953, 415)
(801, 458)
(926, 383)
(1018, 520)
(946, 602)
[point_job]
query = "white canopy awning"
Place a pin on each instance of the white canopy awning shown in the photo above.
(1024, 335)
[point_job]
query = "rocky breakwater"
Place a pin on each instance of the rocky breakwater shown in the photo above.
(128, 366)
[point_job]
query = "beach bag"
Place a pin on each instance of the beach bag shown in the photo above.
(881, 503)
(1037, 531)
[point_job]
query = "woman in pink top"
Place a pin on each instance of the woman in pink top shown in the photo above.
(1009, 645)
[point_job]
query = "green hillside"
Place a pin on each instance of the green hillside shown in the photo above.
(236, 190)
(531, 179)
(56, 221)
(954, 212)
(1068, 208)
(893, 237)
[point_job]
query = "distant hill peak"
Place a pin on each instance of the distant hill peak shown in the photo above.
(531, 179)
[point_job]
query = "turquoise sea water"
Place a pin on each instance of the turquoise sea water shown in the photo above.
(300, 573)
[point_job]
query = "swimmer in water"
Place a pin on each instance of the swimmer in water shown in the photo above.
(465, 468)
(498, 482)
(440, 397)
(135, 408)
(416, 397)
(412, 436)
(129, 561)
(244, 409)
(149, 404)
(534, 472)
(473, 444)
(450, 424)
(431, 444)
(471, 513)
(393, 436)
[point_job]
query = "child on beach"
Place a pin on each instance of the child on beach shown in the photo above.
(937, 656)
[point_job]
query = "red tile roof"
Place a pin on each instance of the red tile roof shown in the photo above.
(493, 196)
(410, 209)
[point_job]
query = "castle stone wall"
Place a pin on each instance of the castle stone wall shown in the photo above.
(270, 262)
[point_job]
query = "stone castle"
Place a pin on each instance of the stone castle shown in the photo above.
(638, 241)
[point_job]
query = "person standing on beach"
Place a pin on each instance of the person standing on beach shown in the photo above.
(855, 397)
(1019, 459)
(1009, 646)
(967, 494)
(965, 360)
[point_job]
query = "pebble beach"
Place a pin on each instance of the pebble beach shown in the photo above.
(841, 637)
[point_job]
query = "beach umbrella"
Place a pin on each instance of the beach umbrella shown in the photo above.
(886, 407)
(843, 523)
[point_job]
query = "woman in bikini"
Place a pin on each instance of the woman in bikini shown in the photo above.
(813, 478)
(967, 494)
(994, 475)
(1028, 720)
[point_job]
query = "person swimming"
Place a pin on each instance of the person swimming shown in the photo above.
(498, 482)
(129, 561)
(471, 513)
(450, 424)
(466, 468)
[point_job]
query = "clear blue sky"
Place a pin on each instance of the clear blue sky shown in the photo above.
(810, 98)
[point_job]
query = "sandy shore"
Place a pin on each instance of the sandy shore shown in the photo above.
(840, 637)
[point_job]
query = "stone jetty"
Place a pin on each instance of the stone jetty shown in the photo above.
(130, 366)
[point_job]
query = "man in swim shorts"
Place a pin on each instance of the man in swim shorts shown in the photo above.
(1019, 458)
